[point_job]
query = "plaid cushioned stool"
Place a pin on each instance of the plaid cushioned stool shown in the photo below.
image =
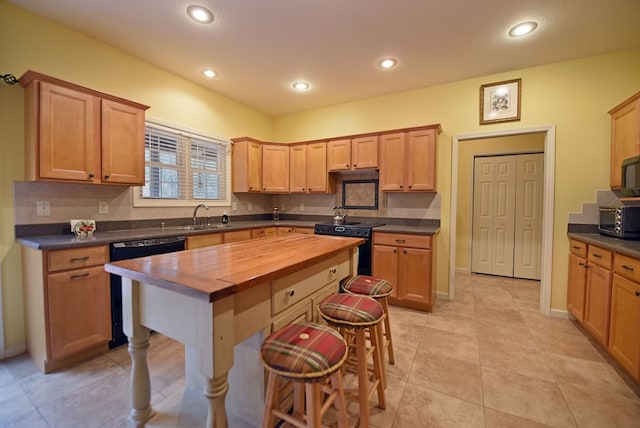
(306, 354)
(356, 316)
(379, 289)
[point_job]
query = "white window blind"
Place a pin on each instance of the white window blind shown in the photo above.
(182, 167)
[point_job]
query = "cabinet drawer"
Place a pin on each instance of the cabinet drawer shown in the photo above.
(293, 288)
(200, 241)
(77, 258)
(600, 256)
(578, 248)
(402, 240)
(627, 267)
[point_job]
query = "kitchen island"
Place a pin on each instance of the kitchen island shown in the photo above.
(213, 298)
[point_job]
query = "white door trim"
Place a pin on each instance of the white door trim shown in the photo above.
(548, 206)
(1, 319)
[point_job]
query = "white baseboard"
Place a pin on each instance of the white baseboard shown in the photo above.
(442, 295)
(462, 270)
(558, 313)
(14, 351)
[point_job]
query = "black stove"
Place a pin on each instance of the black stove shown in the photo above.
(356, 230)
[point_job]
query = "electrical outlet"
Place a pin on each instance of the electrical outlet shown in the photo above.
(103, 207)
(234, 206)
(43, 208)
(301, 206)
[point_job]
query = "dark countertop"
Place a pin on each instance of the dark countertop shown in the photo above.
(63, 241)
(622, 246)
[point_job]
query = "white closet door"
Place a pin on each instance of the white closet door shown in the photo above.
(528, 227)
(493, 218)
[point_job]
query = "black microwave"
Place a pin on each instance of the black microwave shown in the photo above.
(621, 222)
(631, 176)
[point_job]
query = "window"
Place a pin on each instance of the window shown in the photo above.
(183, 167)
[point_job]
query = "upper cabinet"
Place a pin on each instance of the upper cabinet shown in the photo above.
(408, 160)
(308, 168)
(275, 168)
(625, 136)
(246, 158)
(75, 134)
(348, 154)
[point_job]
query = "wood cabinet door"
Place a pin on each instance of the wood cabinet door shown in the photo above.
(598, 303)
(625, 137)
(385, 265)
(317, 168)
(275, 168)
(576, 287)
(624, 332)
(79, 303)
(246, 159)
(122, 143)
(414, 275)
(392, 161)
(69, 137)
(237, 235)
(364, 152)
(298, 168)
(206, 240)
(420, 160)
(339, 155)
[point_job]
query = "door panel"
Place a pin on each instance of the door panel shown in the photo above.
(528, 216)
(482, 249)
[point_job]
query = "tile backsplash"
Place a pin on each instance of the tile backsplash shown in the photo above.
(69, 201)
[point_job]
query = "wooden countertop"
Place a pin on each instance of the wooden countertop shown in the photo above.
(215, 272)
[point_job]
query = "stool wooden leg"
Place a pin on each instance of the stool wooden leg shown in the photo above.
(380, 352)
(387, 331)
(298, 399)
(377, 367)
(363, 383)
(273, 396)
(339, 402)
(314, 404)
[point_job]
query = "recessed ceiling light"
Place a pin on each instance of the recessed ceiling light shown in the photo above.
(523, 29)
(301, 86)
(387, 63)
(200, 14)
(209, 72)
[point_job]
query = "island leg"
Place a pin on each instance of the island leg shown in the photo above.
(138, 335)
(216, 391)
(141, 410)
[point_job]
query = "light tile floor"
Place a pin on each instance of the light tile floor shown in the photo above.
(487, 359)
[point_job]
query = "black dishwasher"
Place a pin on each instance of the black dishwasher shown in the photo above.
(131, 250)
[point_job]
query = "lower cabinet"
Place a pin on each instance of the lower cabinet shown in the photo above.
(624, 332)
(406, 261)
(598, 295)
(67, 305)
(206, 240)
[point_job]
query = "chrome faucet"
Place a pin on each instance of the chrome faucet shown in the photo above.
(195, 213)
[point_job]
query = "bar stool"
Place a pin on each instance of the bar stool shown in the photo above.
(356, 317)
(379, 289)
(306, 354)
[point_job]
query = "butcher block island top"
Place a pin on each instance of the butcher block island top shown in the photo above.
(221, 302)
(211, 273)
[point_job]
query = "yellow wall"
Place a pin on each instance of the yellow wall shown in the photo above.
(33, 43)
(467, 150)
(574, 96)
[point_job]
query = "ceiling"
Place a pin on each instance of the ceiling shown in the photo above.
(259, 47)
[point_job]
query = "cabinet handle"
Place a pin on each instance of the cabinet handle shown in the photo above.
(404, 251)
(625, 267)
(354, 165)
(581, 264)
(400, 241)
(333, 270)
(395, 251)
(348, 166)
(575, 247)
(401, 186)
(80, 275)
(291, 292)
(410, 186)
(597, 256)
(638, 293)
(106, 177)
(79, 259)
(91, 175)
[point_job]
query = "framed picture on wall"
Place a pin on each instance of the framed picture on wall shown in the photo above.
(500, 101)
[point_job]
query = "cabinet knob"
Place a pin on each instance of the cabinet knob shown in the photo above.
(638, 293)
(106, 177)
(401, 186)
(395, 251)
(91, 175)
(404, 251)
(354, 165)
(410, 186)
(291, 292)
